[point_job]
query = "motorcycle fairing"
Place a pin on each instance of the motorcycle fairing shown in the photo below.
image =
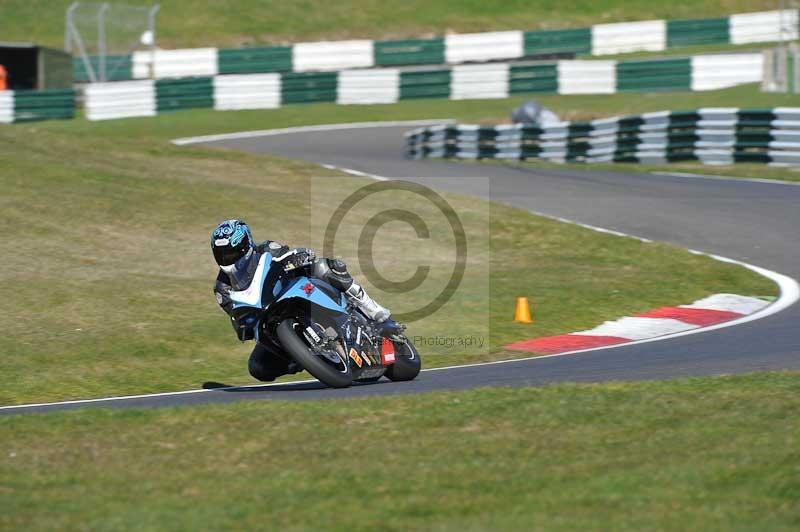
(251, 296)
(319, 297)
(271, 290)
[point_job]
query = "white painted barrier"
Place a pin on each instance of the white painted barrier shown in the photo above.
(479, 81)
(368, 86)
(648, 35)
(710, 72)
(6, 107)
(334, 55)
(765, 26)
(120, 99)
(787, 117)
(717, 118)
(186, 62)
(247, 91)
(142, 64)
(587, 77)
(480, 47)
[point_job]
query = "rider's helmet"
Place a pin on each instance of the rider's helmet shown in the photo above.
(232, 245)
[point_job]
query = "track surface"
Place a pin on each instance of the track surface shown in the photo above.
(757, 223)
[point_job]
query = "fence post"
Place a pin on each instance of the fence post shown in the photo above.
(151, 22)
(68, 26)
(101, 40)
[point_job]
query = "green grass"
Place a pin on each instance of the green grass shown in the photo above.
(699, 454)
(113, 294)
(189, 23)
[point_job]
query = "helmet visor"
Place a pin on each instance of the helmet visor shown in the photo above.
(226, 254)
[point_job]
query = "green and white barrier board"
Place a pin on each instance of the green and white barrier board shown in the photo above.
(389, 85)
(597, 40)
(31, 105)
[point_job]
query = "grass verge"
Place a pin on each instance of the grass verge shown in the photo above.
(699, 454)
(113, 293)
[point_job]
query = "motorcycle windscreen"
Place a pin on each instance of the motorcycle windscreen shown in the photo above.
(261, 285)
(241, 272)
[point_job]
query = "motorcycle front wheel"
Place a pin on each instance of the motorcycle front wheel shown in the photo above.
(407, 362)
(334, 374)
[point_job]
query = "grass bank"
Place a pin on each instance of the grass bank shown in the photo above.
(113, 293)
(189, 23)
(700, 454)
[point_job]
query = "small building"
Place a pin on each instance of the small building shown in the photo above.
(29, 66)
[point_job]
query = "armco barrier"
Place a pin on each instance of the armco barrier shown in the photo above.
(247, 91)
(184, 93)
(587, 77)
(6, 107)
(711, 136)
(254, 60)
(28, 106)
(647, 36)
(601, 39)
(651, 76)
(410, 52)
(312, 56)
(120, 100)
(710, 72)
(571, 41)
(368, 86)
(389, 85)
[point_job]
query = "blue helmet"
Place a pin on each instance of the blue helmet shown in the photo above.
(231, 242)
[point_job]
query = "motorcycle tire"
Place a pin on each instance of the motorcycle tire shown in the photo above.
(311, 362)
(407, 364)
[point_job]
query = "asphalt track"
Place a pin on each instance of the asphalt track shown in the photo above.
(754, 222)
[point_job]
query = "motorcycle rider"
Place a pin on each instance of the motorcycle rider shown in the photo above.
(237, 256)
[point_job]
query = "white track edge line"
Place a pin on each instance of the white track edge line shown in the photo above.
(758, 180)
(789, 295)
(306, 129)
(147, 395)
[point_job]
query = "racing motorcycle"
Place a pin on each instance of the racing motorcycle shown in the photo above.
(319, 329)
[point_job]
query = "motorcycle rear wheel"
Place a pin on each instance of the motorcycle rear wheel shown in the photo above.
(315, 364)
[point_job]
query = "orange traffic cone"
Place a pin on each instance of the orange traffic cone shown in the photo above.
(523, 312)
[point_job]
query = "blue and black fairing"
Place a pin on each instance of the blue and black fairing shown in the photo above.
(298, 300)
(271, 296)
(313, 295)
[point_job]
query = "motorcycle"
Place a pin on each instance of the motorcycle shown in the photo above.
(319, 329)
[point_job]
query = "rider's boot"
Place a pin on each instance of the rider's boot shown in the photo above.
(366, 304)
